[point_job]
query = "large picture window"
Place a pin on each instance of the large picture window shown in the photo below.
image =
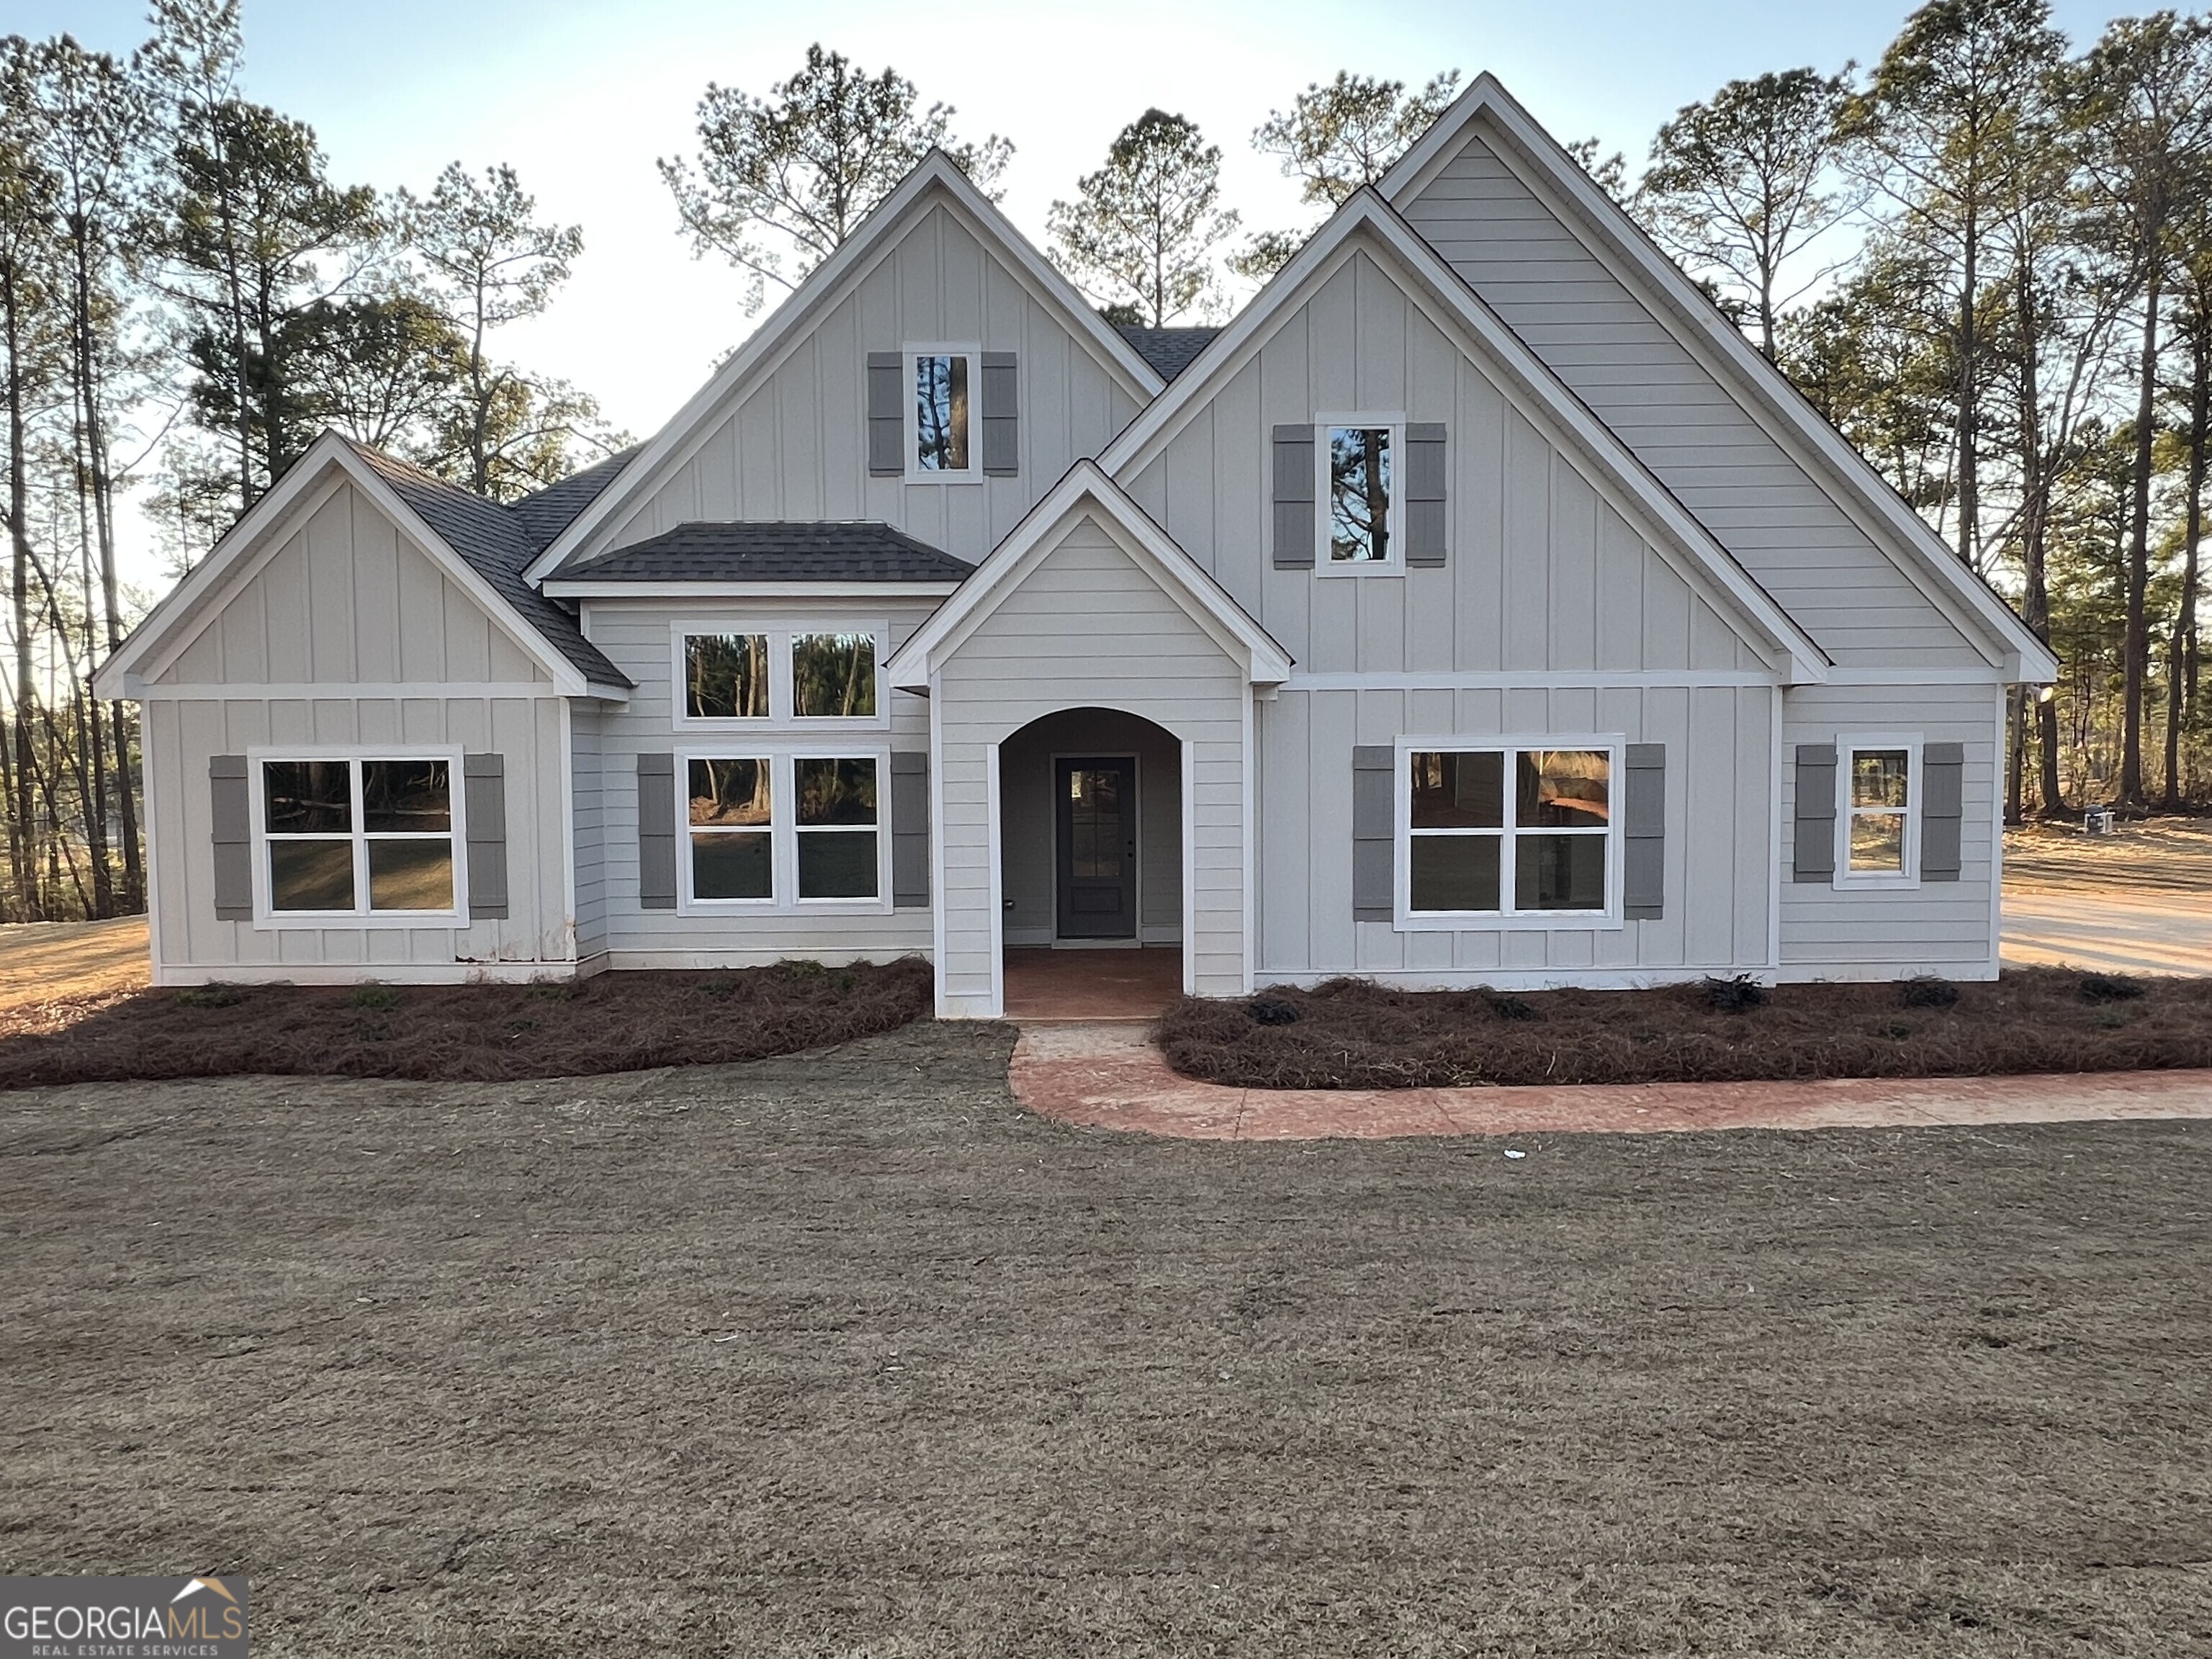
(731, 673)
(358, 836)
(783, 830)
(1509, 831)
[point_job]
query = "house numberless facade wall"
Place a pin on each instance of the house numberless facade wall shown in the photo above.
(1475, 608)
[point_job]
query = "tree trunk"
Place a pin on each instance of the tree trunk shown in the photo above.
(22, 840)
(2184, 621)
(1969, 478)
(2135, 656)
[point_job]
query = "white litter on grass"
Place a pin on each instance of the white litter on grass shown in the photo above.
(1513, 1152)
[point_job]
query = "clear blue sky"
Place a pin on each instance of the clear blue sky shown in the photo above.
(580, 99)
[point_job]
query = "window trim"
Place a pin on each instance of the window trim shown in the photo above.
(782, 695)
(1325, 564)
(910, 420)
(268, 919)
(782, 754)
(1407, 920)
(1848, 744)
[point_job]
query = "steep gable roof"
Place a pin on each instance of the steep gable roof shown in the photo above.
(937, 181)
(546, 513)
(1169, 350)
(1367, 217)
(1682, 309)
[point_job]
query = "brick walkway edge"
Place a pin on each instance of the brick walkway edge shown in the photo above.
(1109, 1075)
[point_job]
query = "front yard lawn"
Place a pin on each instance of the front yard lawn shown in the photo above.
(846, 1354)
(1354, 1034)
(609, 1023)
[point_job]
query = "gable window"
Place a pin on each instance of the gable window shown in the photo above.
(784, 828)
(1878, 830)
(726, 676)
(1508, 831)
(729, 674)
(1357, 464)
(942, 438)
(832, 676)
(357, 836)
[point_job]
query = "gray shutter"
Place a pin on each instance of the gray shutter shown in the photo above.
(1294, 498)
(1942, 806)
(1644, 823)
(909, 830)
(484, 799)
(1424, 494)
(1816, 855)
(1002, 411)
(1374, 836)
(656, 832)
(886, 415)
(232, 838)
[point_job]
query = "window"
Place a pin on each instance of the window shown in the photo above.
(1510, 831)
(358, 836)
(808, 673)
(781, 829)
(726, 676)
(1878, 827)
(944, 380)
(1359, 515)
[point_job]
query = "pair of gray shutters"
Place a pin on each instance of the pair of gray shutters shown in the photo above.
(484, 798)
(656, 831)
(1297, 525)
(889, 394)
(1942, 808)
(1375, 832)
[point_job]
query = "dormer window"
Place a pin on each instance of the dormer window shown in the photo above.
(944, 412)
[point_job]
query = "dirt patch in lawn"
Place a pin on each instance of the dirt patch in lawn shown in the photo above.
(1354, 1034)
(846, 1354)
(609, 1023)
(2141, 858)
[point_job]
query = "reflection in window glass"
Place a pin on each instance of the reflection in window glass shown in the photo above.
(940, 413)
(832, 676)
(1559, 873)
(1358, 495)
(836, 859)
(729, 812)
(308, 797)
(1465, 834)
(726, 676)
(1562, 788)
(1459, 792)
(410, 875)
(311, 875)
(1454, 873)
(397, 858)
(1880, 800)
(405, 797)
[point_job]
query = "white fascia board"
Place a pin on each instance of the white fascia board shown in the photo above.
(821, 290)
(645, 592)
(1704, 326)
(1483, 335)
(1204, 600)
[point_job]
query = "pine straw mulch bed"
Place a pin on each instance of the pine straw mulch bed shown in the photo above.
(1354, 1034)
(461, 1033)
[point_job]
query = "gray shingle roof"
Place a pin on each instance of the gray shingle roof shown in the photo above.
(842, 550)
(548, 512)
(1169, 350)
(492, 540)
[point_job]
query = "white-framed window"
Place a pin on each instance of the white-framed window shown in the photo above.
(1878, 809)
(1359, 461)
(786, 827)
(364, 836)
(1508, 832)
(944, 413)
(742, 675)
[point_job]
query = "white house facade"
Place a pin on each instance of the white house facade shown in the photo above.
(1476, 608)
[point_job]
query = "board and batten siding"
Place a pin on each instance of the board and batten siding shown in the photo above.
(796, 446)
(1543, 571)
(1087, 627)
(1667, 405)
(1945, 927)
(636, 636)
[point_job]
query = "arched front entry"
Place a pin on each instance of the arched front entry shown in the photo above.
(1091, 860)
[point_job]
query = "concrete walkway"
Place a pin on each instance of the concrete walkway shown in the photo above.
(1109, 1075)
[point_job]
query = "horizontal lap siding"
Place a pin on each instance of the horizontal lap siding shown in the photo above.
(797, 446)
(1719, 831)
(1724, 467)
(637, 637)
(585, 739)
(1027, 812)
(1087, 628)
(1941, 926)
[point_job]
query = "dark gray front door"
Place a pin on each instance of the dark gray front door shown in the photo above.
(1097, 838)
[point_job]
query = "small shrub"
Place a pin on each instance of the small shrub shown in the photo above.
(375, 996)
(1271, 1010)
(1739, 996)
(212, 996)
(2110, 987)
(554, 990)
(801, 968)
(1511, 1008)
(1927, 991)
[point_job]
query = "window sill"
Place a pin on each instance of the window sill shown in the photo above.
(305, 920)
(1491, 921)
(1363, 569)
(1864, 884)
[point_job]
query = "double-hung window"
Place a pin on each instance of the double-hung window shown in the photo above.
(356, 836)
(1361, 520)
(784, 829)
(1509, 831)
(1878, 825)
(944, 431)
